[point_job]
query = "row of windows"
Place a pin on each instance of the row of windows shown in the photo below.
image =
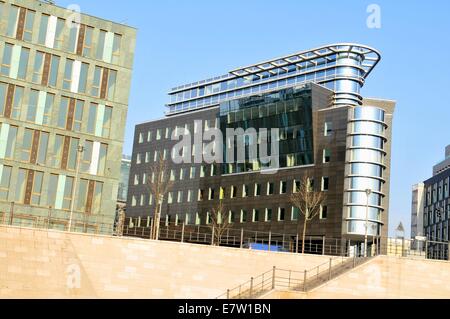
(437, 192)
(290, 160)
(436, 214)
(56, 33)
(38, 107)
(166, 133)
(256, 215)
(57, 151)
(29, 190)
(302, 67)
(223, 192)
(45, 70)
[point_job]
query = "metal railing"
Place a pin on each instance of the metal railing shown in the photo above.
(278, 278)
(241, 238)
(90, 224)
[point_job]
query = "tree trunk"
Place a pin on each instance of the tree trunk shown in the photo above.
(155, 221)
(304, 235)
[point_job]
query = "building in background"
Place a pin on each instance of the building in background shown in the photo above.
(328, 132)
(417, 211)
(437, 207)
(64, 90)
(125, 167)
(444, 165)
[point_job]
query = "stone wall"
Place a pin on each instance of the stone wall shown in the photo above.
(45, 264)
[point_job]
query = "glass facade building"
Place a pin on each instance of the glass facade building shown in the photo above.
(327, 130)
(64, 91)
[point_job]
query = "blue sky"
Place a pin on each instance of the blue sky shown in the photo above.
(185, 41)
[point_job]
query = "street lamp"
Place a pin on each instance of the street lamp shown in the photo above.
(368, 192)
(80, 151)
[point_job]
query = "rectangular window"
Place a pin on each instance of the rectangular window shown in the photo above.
(70, 115)
(8, 136)
(99, 121)
(295, 213)
(283, 187)
(193, 171)
(20, 23)
(328, 129)
(281, 214)
(5, 178)
(268, 217)
(270, 188)
(11, 99)
(90, 195)
(29, 187)
(326, 156)
(233, 192)
(34, 147)
(244, 191)
(325, 183)
(15, 61)
(323, 212)
(104, 83)
(211, 194)
(257, 189)
(243, 216)
(255, 216)
(67, 81)
(200, 195)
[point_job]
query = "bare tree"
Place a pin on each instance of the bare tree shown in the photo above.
(159, 184)
(308, 202)
(219, 222)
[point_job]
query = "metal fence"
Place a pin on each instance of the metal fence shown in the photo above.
(88, 224)
(304, 281)
(242, 238)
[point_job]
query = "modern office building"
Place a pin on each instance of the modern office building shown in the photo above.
(64, 87)
(125, 167)
(417, 206)
(437, 207)
(444, 165)
(327, 131)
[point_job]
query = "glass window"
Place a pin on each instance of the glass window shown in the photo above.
(23, 64)
(38, 68)
(73, 153)
(5, 178)
(6, 62)
(68, 189)
(326, 156)
(17, 102)
(270, 188)
(87, 46)
(73, 37)
(83, 77)
(37, 188)
(12, 21)
(63, 111)
(116, 48)
(325, 183)
(28, 26)
(112, 84)
(54, 69)
(32, 105)
(78, 116)
(57, 151)
(323, 212)
(59, 34)
(281, 214)
(268, 216)
(67, 81)
(96, 83)
(20, 185)
(100, 44)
